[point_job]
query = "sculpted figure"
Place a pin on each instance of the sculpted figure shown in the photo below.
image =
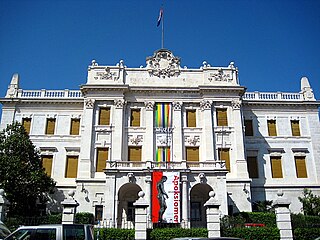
(162, 196)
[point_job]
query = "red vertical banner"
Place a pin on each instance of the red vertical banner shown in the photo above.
(166, 197)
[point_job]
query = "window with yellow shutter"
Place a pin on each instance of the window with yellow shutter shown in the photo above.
(51, 123)
(222, 118)
(301, 168)
(104, 116)
(134, 153)
(102, 157)
(71, 167)
(248, 127)
(276, 166)
(191, 117)
(47, 164)
(135, 118)
(272, 128)
(295, 128)
(26, 123)
(192, 154)
(75, 126)
(223, 154)
(252, 165)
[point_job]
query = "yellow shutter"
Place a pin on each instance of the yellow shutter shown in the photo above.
(51, 122)
(222, 118)
(75, 126)
(272, 130)
(301, 168)
(191, 118)
(295, 128)
(135, 118)
(192, 154)
(102, 157)
(224, 155)
(104, 116)
(276, 167)
(248, 127)
(71, 167)
(252, 165)
(26, 123)
(47, 164)
(134, 154)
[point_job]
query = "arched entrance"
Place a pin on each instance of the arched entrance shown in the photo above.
(199, 195)
(127, 195)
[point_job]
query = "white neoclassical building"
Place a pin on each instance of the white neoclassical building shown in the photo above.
(176, 134)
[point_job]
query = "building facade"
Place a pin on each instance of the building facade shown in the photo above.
(176, 134)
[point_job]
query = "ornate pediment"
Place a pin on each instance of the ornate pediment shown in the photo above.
(163, 64)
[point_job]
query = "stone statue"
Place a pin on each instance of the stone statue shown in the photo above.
(162, 196)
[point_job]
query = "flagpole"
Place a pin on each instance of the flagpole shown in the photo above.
(162, 26)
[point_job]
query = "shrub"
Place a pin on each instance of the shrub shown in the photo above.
(54, 219)
(84, 218)
(302, 221)
(269, 219)
(256, 233)
(306, 233)
(169, 233)
(115, 233)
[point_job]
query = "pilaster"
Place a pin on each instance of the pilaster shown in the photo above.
(148, 146)
(117, 130)
(207, 128)
(177, 131)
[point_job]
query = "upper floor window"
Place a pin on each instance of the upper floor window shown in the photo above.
(135, 117)
(134, 153)
(301, 168)
(223, 154)
(192, 154)
(51, 123)
(47, 164)
(191, 117)
(102, 157)
(272, 127)
(163, 154)
(222, 118)
(75, 126)
(71, 167)
(295, 128)
(26, 123)
(252, 165)
(248, 127)
(104, 116)
(276, 166)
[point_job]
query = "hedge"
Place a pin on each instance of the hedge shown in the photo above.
(239, 219)
(84, 218)
(306, 233)
(114, 234)
(169, 233)
(302, 221)
(254, 233)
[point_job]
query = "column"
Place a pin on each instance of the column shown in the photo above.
(283, 217)
(141, 219)
(207, 129)
(117, 130)
(148, 181)
(69, 209)
(148, 143)
(85, 168)
(185, 203)
(213, 216)
(177, 145)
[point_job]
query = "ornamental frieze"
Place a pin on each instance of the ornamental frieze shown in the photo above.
(220, 76)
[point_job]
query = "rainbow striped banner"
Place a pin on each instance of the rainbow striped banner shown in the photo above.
(163, 154)
(163, 115)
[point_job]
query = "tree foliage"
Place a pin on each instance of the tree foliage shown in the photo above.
(21, 173)
(310, 203)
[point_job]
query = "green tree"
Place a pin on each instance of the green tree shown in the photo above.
(21, 173)
(310, 203)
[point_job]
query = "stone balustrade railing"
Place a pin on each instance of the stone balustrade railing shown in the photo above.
(49, 93)
(273, 96)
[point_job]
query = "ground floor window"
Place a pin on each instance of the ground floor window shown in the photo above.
(98, 213)
(195, 211)
(131, 215)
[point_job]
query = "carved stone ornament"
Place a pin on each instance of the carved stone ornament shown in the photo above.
(163, 64)
(119, 103)
(163, 140)
(220, 76)
(177, 106)
(106, 75)
(149, 105)
(89, 103)
(192, 140)
(136, 139)
(236, 104)
(205, 105)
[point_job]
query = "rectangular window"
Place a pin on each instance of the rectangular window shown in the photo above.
(51, 123)
(295, 128)
(252, 165)
(301, 168)
(192, 154)
(26, 123)
(222, 118)
(191, 118)
(248, 127)
(102, 157)
(135, 118)
(130, 213)
(225, 156)
(134, 154)
(276, 166)
(47, 164)
(195, 211)
(98, 213)
(272, 128)
(71, 167)
(75, 126)
(104, 116)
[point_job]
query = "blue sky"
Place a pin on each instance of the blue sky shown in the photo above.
(50, 43)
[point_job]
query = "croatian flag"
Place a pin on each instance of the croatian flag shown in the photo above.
(160, 17)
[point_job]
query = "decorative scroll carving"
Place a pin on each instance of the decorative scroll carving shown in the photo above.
(192, 140)
(205, 105)
(119, 103)
(220, 76)
(163, 64)
(136, 139)
(163, 140)
(149, 105)
(236, 104)
(106, 75)
(89, 103)
(177, 106)
(202, 177)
